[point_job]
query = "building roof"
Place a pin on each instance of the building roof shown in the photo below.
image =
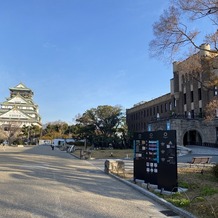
(20, 86)
(150, 103)
(15, 113)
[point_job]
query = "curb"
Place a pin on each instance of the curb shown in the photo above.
(154, 197)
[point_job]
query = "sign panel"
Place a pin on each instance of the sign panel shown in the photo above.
(155, 158)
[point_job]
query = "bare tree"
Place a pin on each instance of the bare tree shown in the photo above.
(174, 30)
(200, 8)
(10, 131)
(174, 34)
(211, 109)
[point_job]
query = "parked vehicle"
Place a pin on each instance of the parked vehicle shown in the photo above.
(58, 142)
(44, 142)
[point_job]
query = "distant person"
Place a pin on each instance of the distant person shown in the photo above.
(52, 147)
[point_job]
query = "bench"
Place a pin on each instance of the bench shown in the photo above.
(200, 160)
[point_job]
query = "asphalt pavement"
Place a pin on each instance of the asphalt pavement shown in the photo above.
(38, 182)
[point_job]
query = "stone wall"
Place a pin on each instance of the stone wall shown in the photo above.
(206, 129)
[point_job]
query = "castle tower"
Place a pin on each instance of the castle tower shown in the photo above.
(19, 108)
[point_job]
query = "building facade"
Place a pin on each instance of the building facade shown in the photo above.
(19, 109)
(183, 109)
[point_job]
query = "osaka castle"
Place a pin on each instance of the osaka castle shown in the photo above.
(19, 109)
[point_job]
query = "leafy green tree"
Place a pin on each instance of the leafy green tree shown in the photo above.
(30, 133)
(101, 124)
(57, 129)
(122, 131)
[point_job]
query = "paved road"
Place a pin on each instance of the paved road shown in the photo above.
(197, 151)
(38, 182)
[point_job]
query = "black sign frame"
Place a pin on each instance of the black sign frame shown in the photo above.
(155, 158)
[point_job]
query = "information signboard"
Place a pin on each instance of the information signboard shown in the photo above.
(155, 158)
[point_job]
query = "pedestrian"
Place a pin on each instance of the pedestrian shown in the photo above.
(52, 147)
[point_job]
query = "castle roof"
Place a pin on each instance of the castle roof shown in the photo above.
(20, 87)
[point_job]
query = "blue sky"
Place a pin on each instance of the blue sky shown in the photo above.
(79, 54)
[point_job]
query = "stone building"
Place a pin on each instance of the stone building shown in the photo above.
(19, 109)
(183, 109)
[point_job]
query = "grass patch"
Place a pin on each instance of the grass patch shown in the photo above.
(109, 153)
(113, 153)
(183, 202)
(202, 192)
(208, 191)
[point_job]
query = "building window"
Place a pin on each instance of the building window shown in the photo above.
(154, 111)
(200, 112)
(184, 98)
(165, 107)
(170, 106)
(216, 134)
(192, 113)
(192, 96)
(199, 94)
(215, 91)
